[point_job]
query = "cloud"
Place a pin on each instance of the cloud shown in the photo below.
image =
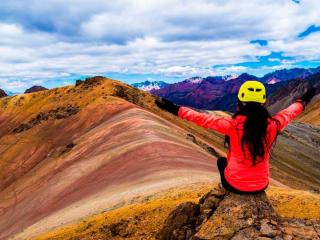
(177, 38)
(230, 70)
(307, 48)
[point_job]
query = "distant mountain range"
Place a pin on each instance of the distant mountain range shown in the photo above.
(287, 74)
(219, 92)
(4, 93)
(10, 93)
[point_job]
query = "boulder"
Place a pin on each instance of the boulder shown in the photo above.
(2, 93)
(180, 223)
(223, 215)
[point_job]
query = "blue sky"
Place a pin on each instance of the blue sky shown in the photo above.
(53, 43)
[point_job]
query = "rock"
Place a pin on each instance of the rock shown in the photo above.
(176, 225)
(205, 146)
(131, 95)
(208, 204)
(79, 82)
(299, 229)
(224, 215)
(55, 114)
(90, 82)
(2, 93)
(68, 148)
(234, 213)
(268, 230)
(120, 229)
(35, 89)
(248, 233)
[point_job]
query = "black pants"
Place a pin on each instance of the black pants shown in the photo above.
(222, 164)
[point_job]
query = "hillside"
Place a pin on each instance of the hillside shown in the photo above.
(311, 113)
(144, 218)
(73, 152)
(82, 149)
(295, 156)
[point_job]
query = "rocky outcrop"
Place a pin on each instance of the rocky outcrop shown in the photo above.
(90, 82)
(56, 114)
(35, 89)
(2, 93)
(132, 95)
(225, 215)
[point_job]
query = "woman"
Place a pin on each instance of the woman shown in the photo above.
(250, 133)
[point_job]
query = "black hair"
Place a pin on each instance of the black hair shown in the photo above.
(254, 129)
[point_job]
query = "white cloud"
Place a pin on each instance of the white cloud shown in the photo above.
(307, 48)
(10, 30)
(57, 39)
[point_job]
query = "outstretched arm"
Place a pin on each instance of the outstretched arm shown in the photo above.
(285, 116)
(211, 121)
(219, 124)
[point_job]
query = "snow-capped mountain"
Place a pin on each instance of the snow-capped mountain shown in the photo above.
(150, 85)
(194, 80)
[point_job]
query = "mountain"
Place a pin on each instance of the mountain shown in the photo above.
(150, 85)
(217, 93)
(2, 93)
(35, 89)
(202, 93)
(103, 157)
(288, 74)
(284, 93)
(70, 152)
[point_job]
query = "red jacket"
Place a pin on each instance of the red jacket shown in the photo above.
(240, 173)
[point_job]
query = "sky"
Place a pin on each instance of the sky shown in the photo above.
(54, 42)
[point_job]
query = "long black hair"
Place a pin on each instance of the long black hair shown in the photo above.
(254, 129)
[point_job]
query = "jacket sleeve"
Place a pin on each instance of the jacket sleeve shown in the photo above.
(219, 124)
(285, 116)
